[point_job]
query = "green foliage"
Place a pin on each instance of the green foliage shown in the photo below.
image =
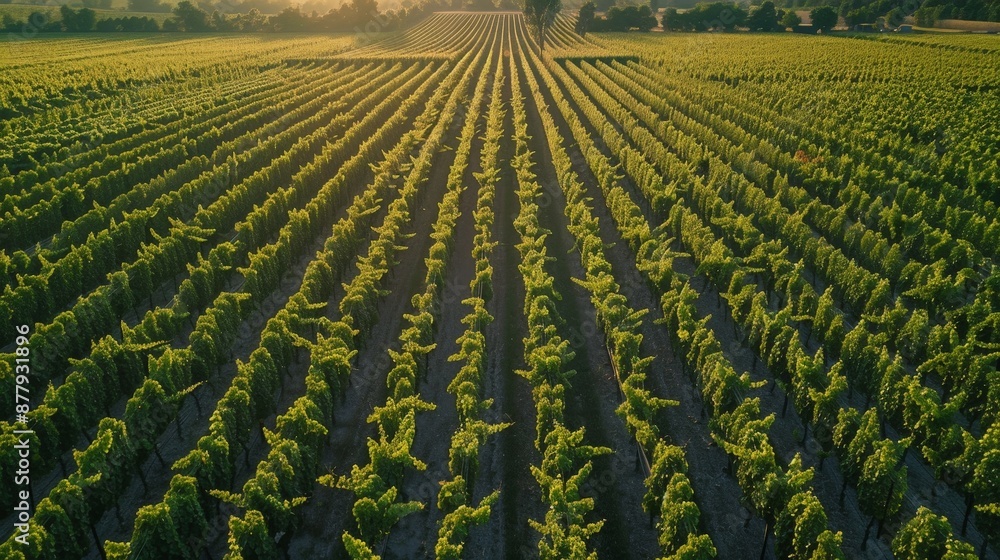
(770, 201)
(456, 524)
(882, 486)
(707, 16)
(668, 460)
(928, 536)
(799, 527)
(625, 18)
(823, 18)
(169, 529)
(375, 516)
(697, 547)
(248, 536)
(790, 19)
(357, 549)
(679, 515)
(763, 17)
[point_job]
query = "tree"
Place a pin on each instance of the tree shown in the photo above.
(671, 20)
(289, 19)
(763, 18)
(250, 21)
(190, 17)
(364, 9)
(824, 18)
(706, 17)
(630, 17)
(541, 14)
(585, 18)
(865, 14)
(76, 21)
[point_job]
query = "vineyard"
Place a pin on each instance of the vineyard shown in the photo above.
(435, 294)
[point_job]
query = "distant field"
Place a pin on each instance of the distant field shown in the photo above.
(434, 294)
(944, 39)
(968, 25)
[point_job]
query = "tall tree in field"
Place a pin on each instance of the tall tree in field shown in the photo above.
(541, 14)
(585, 18)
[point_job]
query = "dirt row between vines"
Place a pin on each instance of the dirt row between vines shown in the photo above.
(194, 413)
(181, 435)
(718, 495)
(176, 441)
(924, 489)
(327, 513)
(786, 432)
(506, 457)
(788, 428)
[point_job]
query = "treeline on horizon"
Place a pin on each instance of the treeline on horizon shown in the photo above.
(771, 15)
(706, 16)
(242, 16)
(925, 12)
(359, 15)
